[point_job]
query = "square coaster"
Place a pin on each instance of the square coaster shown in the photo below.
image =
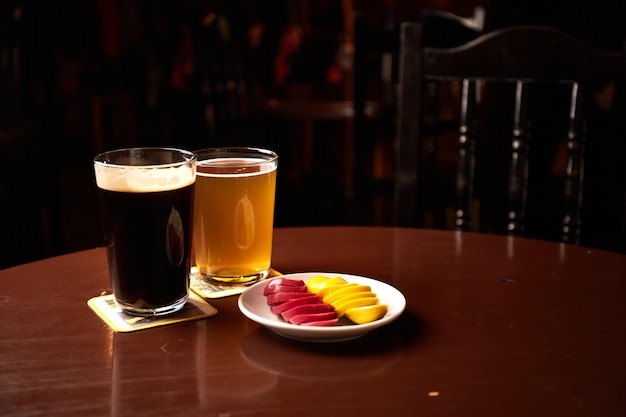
(209, 290)
(104, 306)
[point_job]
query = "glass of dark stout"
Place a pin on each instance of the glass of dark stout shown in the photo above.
(146, 202)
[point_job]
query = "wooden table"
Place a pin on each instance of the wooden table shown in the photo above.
(494, 326)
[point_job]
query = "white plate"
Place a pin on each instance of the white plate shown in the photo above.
(253, 304)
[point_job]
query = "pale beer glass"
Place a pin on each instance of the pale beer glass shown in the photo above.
(146, 197)
(234, 214)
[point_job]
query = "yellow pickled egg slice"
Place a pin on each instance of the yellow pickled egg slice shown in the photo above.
(366, 314)
(327, 283)
(315, 282)
(329, 289)
(350, 297)
(341, 308)
(343, 291)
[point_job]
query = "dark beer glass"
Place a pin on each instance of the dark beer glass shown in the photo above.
(146, 200)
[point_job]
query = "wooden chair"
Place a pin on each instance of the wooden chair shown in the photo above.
(374, 99)
(527, 59)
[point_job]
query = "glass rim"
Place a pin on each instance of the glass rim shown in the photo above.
(270, 155)
(101, 158)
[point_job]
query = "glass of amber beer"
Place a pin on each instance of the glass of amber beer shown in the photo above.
(234, 214)
(146, 197)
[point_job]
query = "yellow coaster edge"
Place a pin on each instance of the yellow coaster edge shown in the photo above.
(104, 306)
(208, 290)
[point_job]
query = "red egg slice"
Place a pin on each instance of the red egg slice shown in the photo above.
(282, 297)
(310, 299)
(320, 323)
(311, 318)
(282, 284)
(307, 309)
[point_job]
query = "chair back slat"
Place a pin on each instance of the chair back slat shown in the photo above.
(466, 168)
(573, 187)
(518, 172)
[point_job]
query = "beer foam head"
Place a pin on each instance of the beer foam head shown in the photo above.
(144, 178)
(235, 167)
(235, 162)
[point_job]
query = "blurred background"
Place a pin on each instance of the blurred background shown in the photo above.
(82, 76)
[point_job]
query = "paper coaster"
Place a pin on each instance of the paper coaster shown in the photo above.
(208, 290)
(104, 306)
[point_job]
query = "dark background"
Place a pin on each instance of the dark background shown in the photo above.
(82, 76)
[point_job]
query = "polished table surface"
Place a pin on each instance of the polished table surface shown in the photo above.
(494, 326)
